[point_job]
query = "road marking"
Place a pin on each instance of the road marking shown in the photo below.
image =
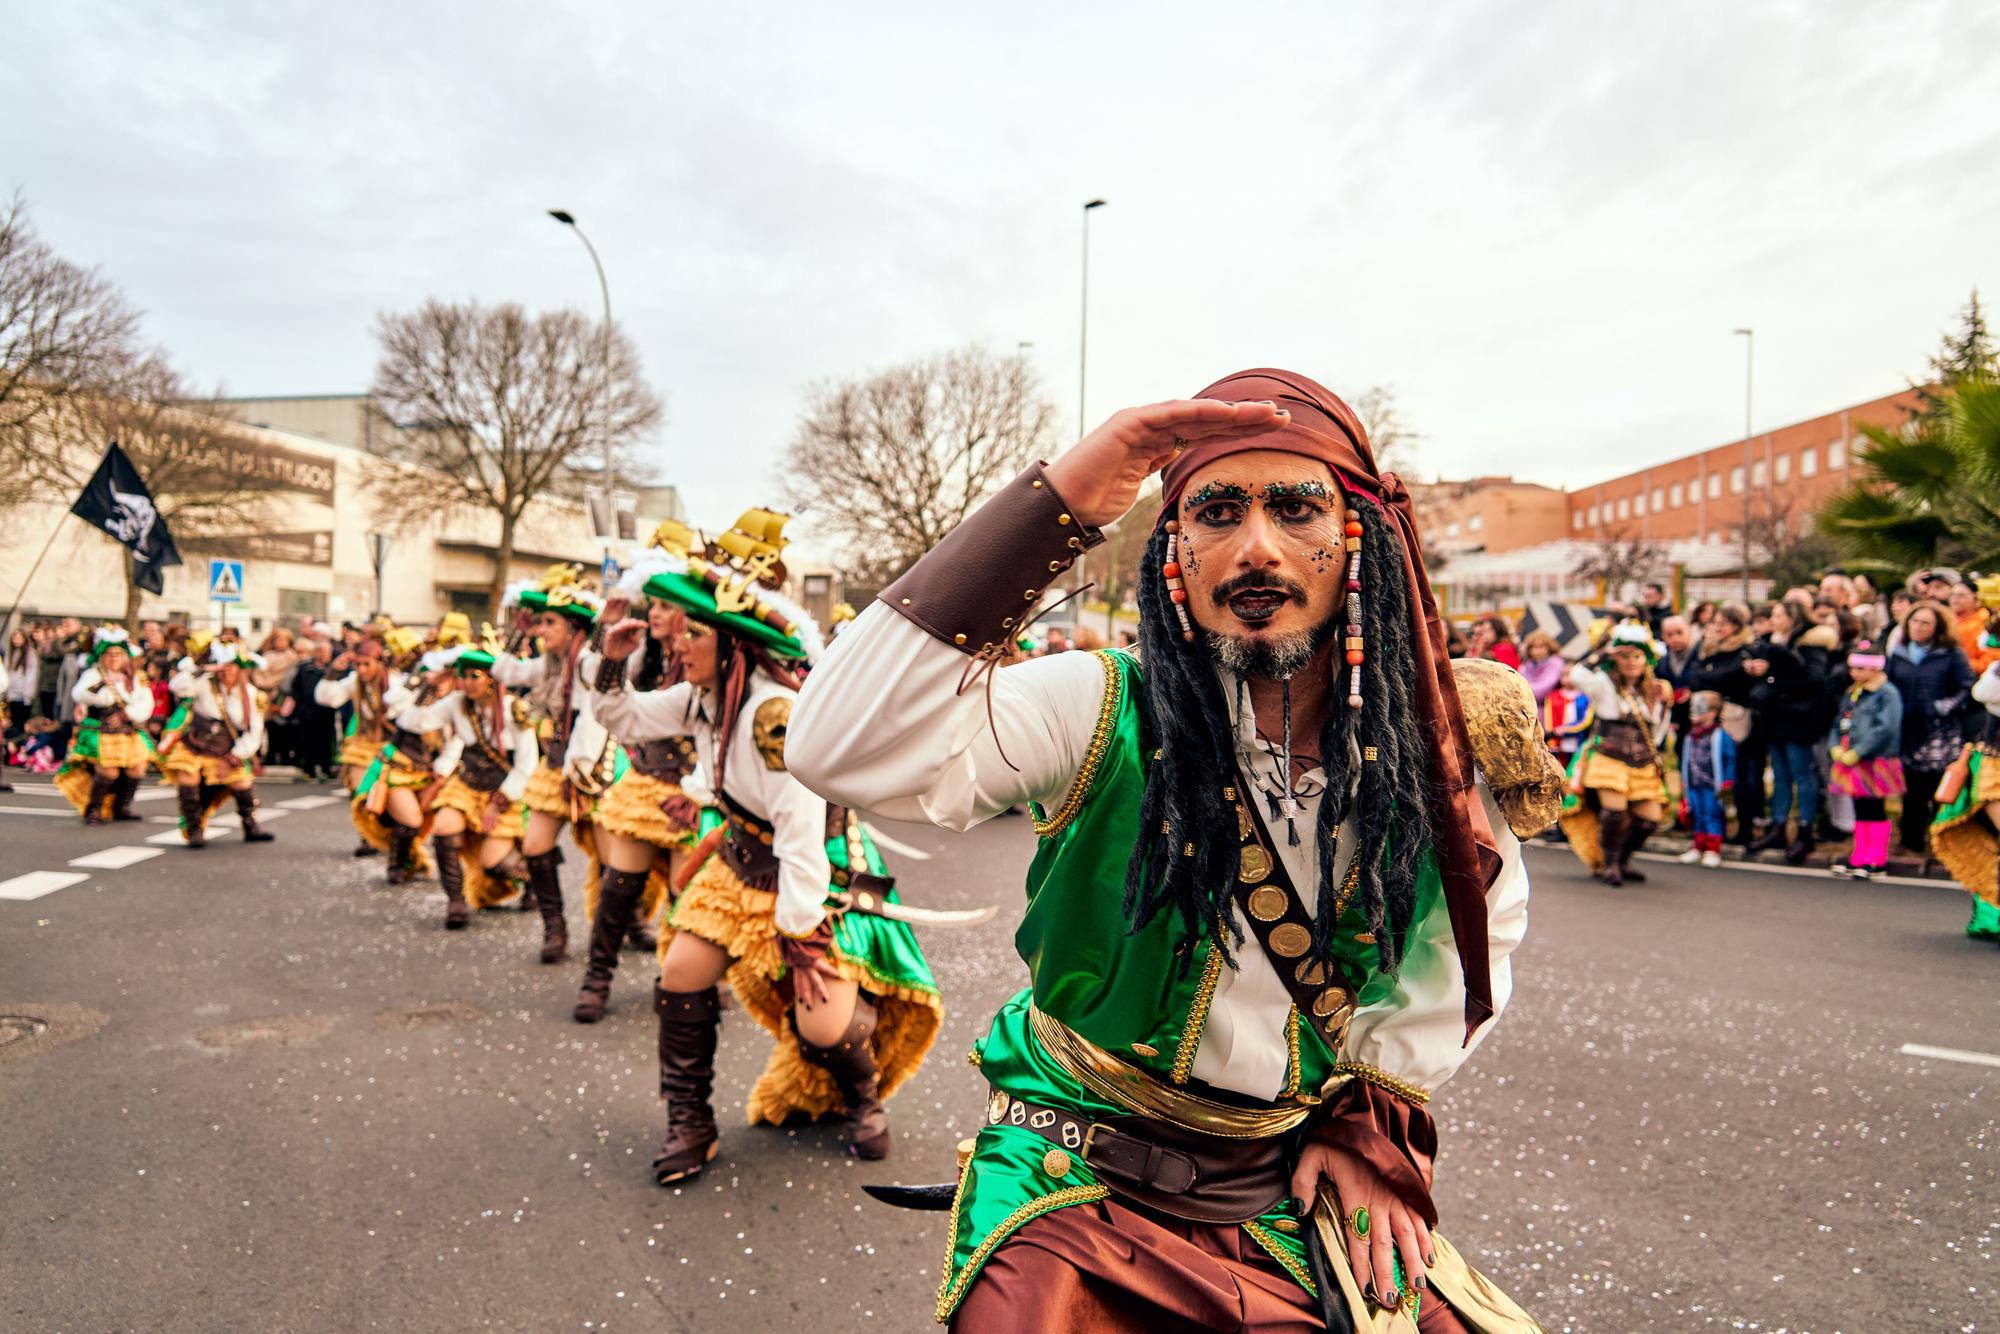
(115, 859)
(896, 845)
(167, 838)
(308, 803)
(1951, 1054)
(35, 810)
(37, 883)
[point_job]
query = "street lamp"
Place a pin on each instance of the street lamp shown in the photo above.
(1083, 333)
(1749, 337)
(568, 220)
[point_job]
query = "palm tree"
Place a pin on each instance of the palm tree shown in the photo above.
(1930, 491)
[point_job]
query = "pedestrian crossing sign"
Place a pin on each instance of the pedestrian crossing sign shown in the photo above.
(225, 580)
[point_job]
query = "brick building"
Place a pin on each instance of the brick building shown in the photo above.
(1489, 514)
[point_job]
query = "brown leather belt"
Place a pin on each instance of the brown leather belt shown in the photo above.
(1623, 740)
(480, 771)
(1158, 1164)
(669, 759)
(209, 736)
(111, 722)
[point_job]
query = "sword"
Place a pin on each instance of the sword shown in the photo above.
(930, 1199)
(875, 905)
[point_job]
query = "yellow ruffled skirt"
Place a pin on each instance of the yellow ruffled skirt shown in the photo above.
(630, 808)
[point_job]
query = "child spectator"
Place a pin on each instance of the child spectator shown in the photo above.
(1708, 769)
(1543, 665)
(1866, 743)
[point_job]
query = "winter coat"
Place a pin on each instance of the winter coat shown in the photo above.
(1708, 759)
(1719, 667)
(1545, 675)
(1874, 722)
(1791, 697)
(1934, 691)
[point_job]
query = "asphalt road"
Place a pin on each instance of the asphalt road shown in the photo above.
(262, 1091)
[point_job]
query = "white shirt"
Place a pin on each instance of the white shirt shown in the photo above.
(881, 727)
(452, 715)
(796, 815)
(207, 698)
(94, 690)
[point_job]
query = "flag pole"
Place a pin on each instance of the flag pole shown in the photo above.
(21, 593)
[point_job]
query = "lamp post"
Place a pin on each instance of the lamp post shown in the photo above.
(1083, 331)
(568, 220)
(1749, 337)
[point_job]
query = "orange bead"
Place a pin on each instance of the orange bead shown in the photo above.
(1354, 657)
(1171, 570)
(1354, 528)
(1177, 594)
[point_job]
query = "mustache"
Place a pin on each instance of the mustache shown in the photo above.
(1258, 581)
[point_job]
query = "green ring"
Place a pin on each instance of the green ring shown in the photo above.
(1358, 1220)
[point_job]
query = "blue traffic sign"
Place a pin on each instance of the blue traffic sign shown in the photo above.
(225, 580)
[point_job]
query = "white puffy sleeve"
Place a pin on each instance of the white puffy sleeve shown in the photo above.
(509, 670)
(527, 751)
(334, 691)
(882, 726)
(1417, 1034)
(644, 715)
(798, 828)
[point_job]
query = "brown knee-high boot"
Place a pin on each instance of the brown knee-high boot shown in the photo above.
(451, 873)
(689, 1024)
(545, 887)
(101, 787)
(1637, 831)
(194, 815)
(246, 810)
(1611, 844)
(617, 900)
(402, 853)
(851, 1062)
(123, 789)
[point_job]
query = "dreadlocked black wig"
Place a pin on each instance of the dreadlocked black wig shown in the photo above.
(1186, 721)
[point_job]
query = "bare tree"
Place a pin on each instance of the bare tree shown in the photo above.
(1395, 444)
(1618, 558)
(1114, 565)
(64, 330)
(1789, 546)
(885, 466)
(500, 408)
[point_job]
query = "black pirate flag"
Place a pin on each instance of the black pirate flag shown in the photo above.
(116, 500)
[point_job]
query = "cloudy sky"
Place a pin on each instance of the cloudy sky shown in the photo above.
(1537, 221)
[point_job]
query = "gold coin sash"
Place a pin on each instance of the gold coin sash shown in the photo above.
(1283, 929)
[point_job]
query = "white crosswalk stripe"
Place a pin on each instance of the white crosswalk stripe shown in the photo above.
(37, 883)
(115, 859)
(307, 803)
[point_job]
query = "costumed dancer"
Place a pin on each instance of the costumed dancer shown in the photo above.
(1708, 773)
(560, 612)
(497, 757)
(1963, 831)
(1866, 747)
(1617, 784)
(373, 689)
(212, 743)
(394, 802)
(1319, 897)
(108, 755)
(645, 823)
(844, 990)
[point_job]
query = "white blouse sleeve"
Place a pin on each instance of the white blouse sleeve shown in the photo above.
(334, 691)
(882, 726)
(644, 715)
(798, 837)
(139, 704)
(1417, 1034)
(527, 751)
(509, 670)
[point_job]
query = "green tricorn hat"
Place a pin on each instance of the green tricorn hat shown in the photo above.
(733, 586)
(560, 589)
(108, 637)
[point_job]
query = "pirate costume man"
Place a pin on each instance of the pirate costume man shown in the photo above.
(561, 611)
(1257, 943)
(1617, 784)
(482, 797)
(646, 821)
(109, 753)
(213, 739)
(843, 989)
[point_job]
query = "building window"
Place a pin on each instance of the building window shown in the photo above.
(1451, 531)
(1639, 504)
(1624, 508)
(1757, 473)
(1475, 523)
(1576, 520)
(295, 603)
(1736, 480)
(1784, 467)
(1836, 455)
(1808, 461)
(1675, 496)
(1659, 500)
(1714, 485)
(1593, 516)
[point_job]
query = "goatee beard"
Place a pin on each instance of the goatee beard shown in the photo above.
(1270, 659)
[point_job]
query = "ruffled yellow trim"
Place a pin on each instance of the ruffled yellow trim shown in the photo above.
(73, 781)
(630, 808)
(545, 793)
(718, 907)
(358, 752)
(184, 766)
(121, 750)
(462, 797)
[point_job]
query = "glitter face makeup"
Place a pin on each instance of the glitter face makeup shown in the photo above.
(1213, 492)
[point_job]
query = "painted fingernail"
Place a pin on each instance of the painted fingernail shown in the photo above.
(1422, 1283)
(1302, 1207)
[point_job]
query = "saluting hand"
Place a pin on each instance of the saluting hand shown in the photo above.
(622, 640)
(1101, 475)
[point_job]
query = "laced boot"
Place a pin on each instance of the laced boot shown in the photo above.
(451, 873)
(123, 790)
(689, 1024)
(851, 1062)
(545, 888)
(246, 809)
(617, 900)
(402, 853)
(101, 788)
(194, 815)
(1637, 831)
(1610, 845)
